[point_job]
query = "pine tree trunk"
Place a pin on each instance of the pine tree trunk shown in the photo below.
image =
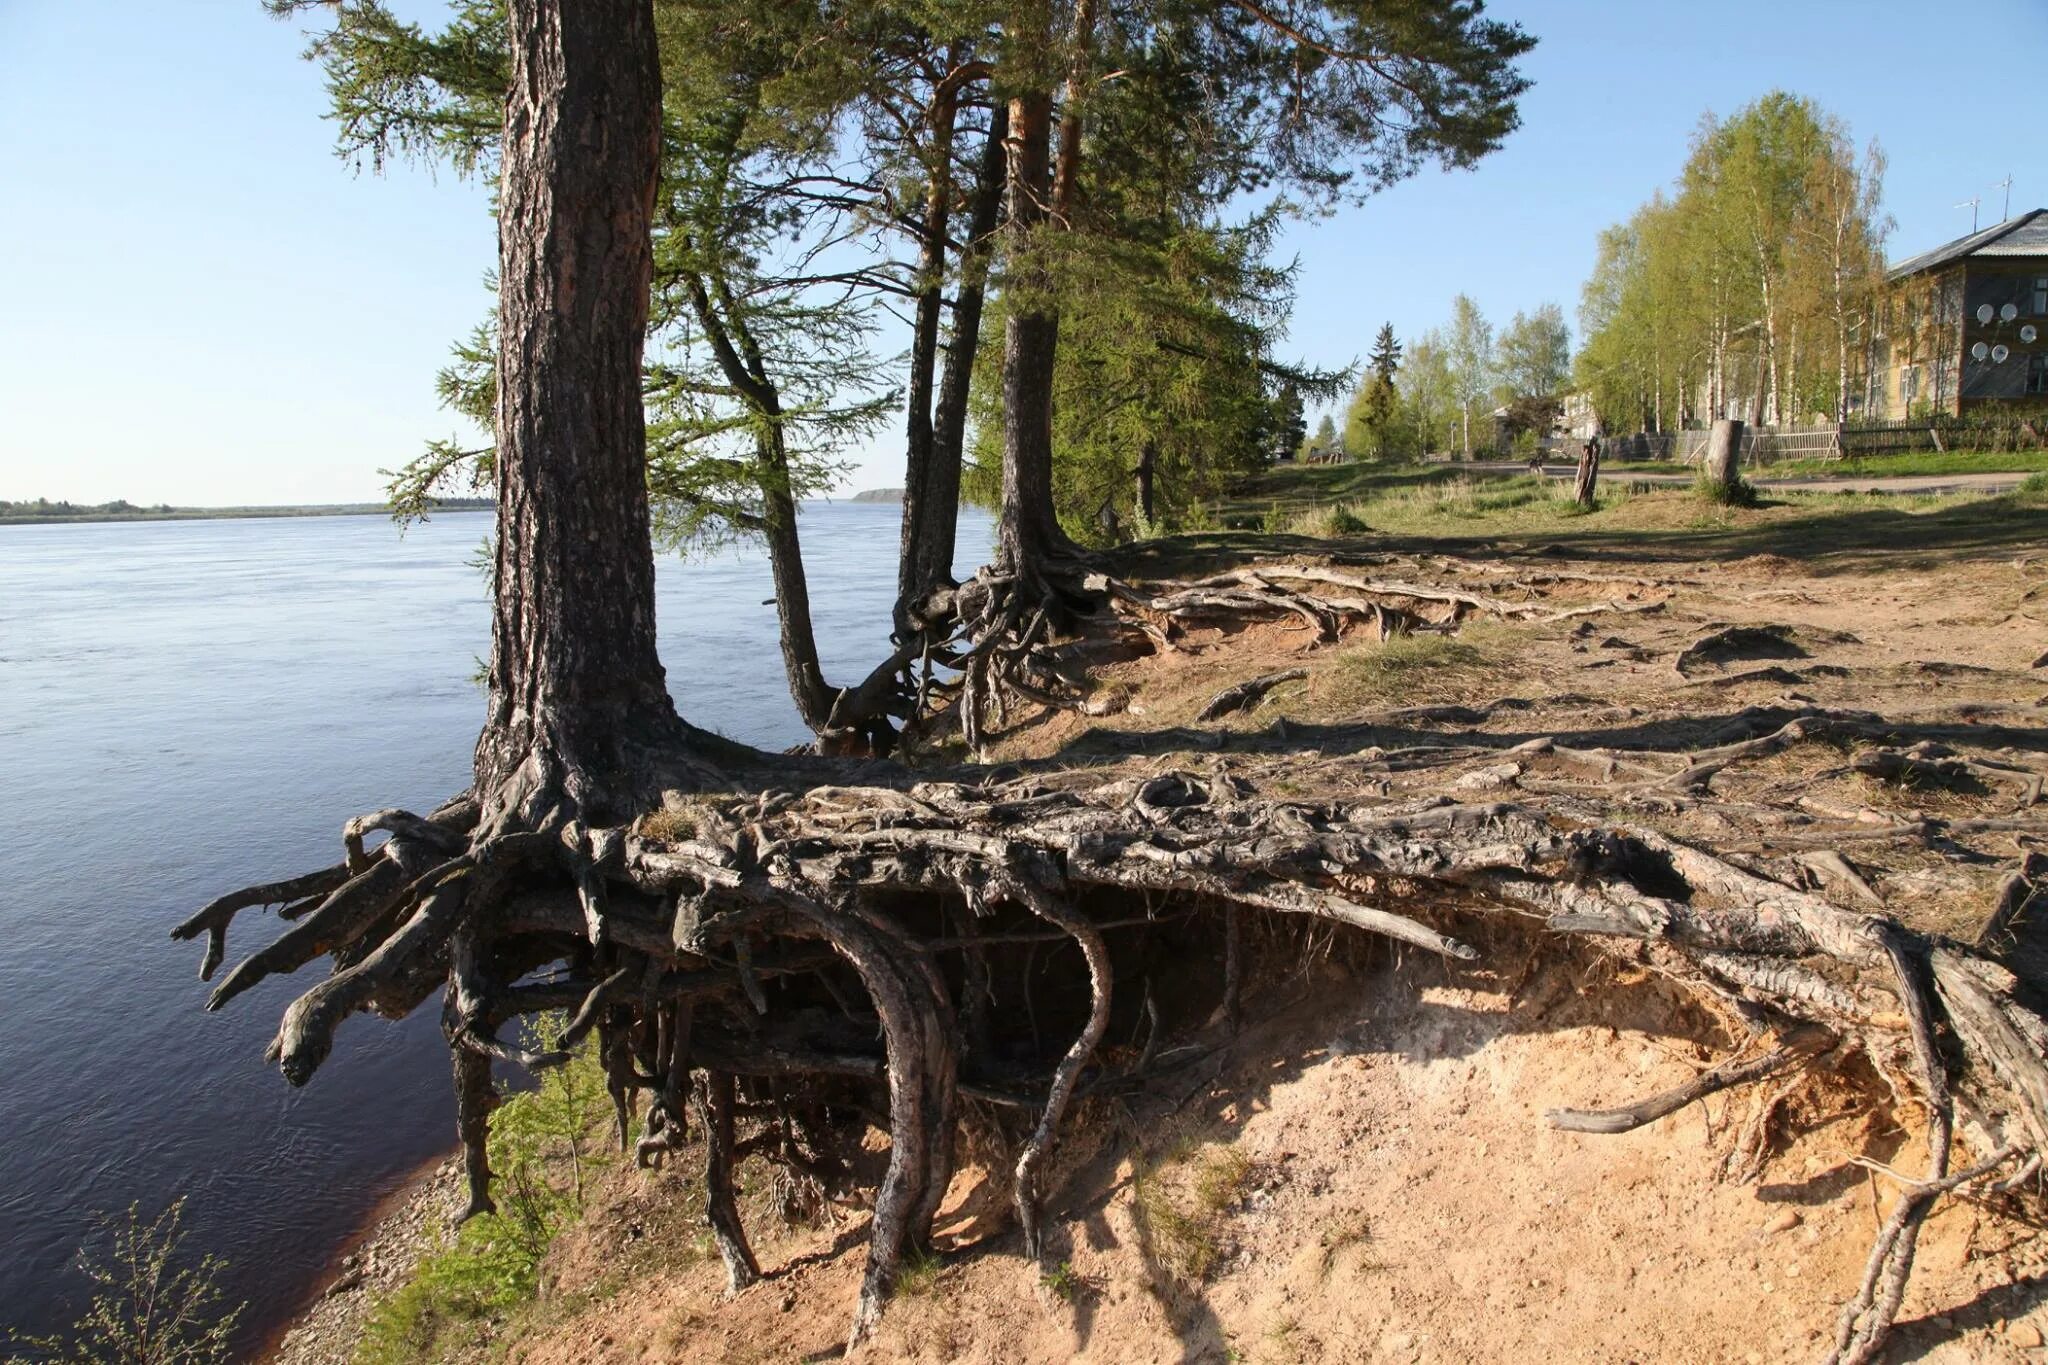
(919, 438)
(807, 686)
(1028, 532)
(575, 684)
(928, 559)
(1148, 461)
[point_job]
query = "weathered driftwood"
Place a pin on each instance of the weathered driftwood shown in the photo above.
(1247, 694)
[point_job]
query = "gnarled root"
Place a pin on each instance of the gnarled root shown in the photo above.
(739, 955)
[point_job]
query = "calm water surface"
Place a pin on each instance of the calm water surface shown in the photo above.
(188, 707)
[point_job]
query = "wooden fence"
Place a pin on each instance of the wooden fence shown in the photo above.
(1775, 445)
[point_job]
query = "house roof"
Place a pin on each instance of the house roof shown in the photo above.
(2026, 235)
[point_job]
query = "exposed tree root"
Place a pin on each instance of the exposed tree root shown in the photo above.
(1016, 637)
(690, 943)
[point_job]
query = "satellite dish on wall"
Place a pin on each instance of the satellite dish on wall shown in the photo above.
(1998, 355)
(1979, 351)
(2027, 334)
(1984, 313)
(2009, 312)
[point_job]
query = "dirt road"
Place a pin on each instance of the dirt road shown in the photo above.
(1988, 484)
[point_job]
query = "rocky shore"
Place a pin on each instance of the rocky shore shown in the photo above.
(379, 1260)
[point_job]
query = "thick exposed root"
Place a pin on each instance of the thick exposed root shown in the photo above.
(740, 955)
(1017, 637)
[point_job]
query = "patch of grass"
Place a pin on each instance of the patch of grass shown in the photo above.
(1326, 523)
(1738, 494)
(1452, 502)
(1353, 1229)
(1409, 669)
(1280, 1337)
(1915, 462)
(919, 1273)
(1178, 1209)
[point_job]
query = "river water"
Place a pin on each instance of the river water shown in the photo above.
(188, 707)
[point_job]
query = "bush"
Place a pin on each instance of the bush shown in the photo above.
(540, 1150)
(146, 1309)
(1326, 523)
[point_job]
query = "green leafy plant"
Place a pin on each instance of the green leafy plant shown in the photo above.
(541, 1154)
(148, 1307)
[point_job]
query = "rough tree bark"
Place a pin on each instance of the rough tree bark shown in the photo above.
(1724, 457)
(919, 439)
(577, 694)
(931, 492)
(1587, 480)
(1028, 533)
(1148, 471)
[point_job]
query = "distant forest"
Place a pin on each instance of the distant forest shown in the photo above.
(43, 510)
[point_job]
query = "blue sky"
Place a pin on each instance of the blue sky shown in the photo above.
(204, 306)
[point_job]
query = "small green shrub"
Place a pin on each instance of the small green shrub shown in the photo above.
(541, 1152)
(1062, 1281)
(1326, 523)
(147, 1307)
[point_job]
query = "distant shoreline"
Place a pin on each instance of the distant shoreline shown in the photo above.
(336, 509)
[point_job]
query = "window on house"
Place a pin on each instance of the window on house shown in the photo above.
(2037, 372)
(1909, 383)
(2041, 296)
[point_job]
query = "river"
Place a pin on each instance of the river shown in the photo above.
(188, 707)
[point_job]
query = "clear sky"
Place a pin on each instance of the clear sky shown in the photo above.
(203, 306)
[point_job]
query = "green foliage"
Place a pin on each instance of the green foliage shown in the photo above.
(147, 1306)
(1369, 420)
(1740, 493)
(1775, 233)
(398, 91)
(1063, 1282)
(1167, 328)
(542, 1150)
(1469, 342)
(1427, 401)
(1289, 423)
(1534, 354)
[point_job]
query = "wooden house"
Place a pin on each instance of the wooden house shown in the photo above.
(1964, 328)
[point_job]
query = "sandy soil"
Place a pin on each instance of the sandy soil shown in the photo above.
(1388, 1191)
(1366, 1173)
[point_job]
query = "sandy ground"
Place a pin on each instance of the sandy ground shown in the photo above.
(1389, 1193)
(1366, 1173)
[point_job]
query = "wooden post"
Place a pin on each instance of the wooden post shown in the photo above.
(1724, 454)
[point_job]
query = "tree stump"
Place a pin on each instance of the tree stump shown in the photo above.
(1724, 457)
(1589, 474)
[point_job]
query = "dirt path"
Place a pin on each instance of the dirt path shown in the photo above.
(1617, 471)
